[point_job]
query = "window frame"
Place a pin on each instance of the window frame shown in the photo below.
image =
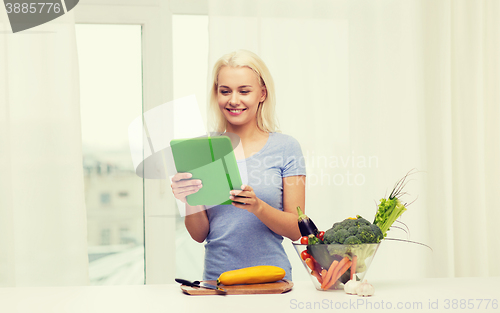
(155, 16)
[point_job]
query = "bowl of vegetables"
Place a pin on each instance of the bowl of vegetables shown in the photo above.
(342, 253)
(345, 251)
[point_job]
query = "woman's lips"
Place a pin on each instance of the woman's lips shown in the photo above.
(235, 112)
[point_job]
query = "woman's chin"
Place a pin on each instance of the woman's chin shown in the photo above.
(235, 119)
(237, 122)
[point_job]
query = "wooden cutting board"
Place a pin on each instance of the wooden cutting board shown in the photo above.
(280, 286)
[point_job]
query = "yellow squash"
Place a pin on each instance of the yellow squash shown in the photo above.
(252, 275)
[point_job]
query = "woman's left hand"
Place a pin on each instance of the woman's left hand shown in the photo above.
(246, 199)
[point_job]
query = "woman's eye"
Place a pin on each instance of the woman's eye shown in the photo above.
(224, 92)
(245, 91)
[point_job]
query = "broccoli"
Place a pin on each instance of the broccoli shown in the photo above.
(337, 226)
(353, 230)
(359, 228)
(378, 233)
(328, 236)
(348, 223)
(353, 240)
(340, 235)
(361, 221)
(366, 235)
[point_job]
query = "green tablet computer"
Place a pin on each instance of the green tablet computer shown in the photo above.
(212, 160)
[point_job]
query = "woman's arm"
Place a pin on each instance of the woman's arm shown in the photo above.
(283, 222)
(196, 222)
(196, 219)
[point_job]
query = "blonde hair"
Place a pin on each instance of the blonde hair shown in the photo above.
(266, 116)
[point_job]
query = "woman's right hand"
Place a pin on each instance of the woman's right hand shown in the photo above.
(183, 186)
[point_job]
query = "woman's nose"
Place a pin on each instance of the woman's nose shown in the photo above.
(234, 100)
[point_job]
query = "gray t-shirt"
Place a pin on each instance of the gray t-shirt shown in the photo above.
(237, 238)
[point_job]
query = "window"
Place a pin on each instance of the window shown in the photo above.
(190, 53)
(110, 58)
(126, 236)
(105, 236)
(158, 205)
(105, 198)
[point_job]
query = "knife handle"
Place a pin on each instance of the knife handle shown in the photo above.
(185, 282)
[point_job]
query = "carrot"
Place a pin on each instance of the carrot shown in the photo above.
(333, 273)
(341, 264)
(353, 266)
(315, 269)
(323, 274)
(310, 263)
(338, 274)
(317, 275)
(343, 269)
(326, 279)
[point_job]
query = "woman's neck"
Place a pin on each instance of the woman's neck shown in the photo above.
(246, 132)
(250, 141)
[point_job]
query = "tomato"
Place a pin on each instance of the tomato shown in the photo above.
(304, 240)
(305, 255)
(320, 235)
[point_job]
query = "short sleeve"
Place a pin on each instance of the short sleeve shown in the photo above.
(293, 160)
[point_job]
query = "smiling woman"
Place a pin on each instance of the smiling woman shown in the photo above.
(250, 231)
(239, 77)
(240, 94)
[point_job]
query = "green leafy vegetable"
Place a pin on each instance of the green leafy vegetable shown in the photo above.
(389, 210)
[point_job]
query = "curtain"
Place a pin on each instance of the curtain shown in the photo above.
(374, 89)
(42, 209)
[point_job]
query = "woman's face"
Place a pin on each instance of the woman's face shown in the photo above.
(239, 94)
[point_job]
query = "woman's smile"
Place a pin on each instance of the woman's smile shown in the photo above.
(235, 112)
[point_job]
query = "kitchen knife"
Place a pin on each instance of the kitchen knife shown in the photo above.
(199, 284)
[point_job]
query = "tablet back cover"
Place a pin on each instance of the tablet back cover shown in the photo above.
(212, 161)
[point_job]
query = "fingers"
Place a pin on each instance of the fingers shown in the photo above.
(180, 180)
(183, 192)
(246, 191)
(243, 197)
(242, 194)
(179, 176)
(181, 189)
(186, 183)
(183, 186)
(246, 199)
(240, 205)
(186, 192)
(246, 188)
(241, 201)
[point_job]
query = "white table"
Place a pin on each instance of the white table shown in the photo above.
(425, 295)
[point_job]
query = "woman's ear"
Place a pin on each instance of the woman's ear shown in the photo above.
(264, 94)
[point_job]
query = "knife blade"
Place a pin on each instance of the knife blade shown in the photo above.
(197, 283)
